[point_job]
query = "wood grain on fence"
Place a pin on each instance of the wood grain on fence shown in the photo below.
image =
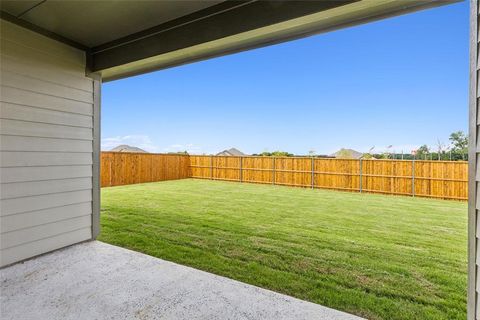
(121, 168)
(433, 179)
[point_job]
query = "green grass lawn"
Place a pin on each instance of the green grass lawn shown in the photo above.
(380, 257)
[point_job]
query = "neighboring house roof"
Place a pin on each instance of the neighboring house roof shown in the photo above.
(231, 152)
(127, 148)
(347, 154)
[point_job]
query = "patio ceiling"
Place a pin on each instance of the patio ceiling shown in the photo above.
(124, 38)
(94, 23)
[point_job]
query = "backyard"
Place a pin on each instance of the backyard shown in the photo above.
(376, 256)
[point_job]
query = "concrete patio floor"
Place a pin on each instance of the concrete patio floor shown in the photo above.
(94, 280)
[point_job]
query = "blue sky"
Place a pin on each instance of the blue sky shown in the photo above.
(401, 81)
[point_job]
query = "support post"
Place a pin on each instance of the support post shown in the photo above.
(473, 169)
(241, 169)
(313, 172)
(273, 171)
(96, 155)
(211, 167)
(413, 177)
(360, 182)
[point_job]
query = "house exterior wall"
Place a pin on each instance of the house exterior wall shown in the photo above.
(473, 312)
(46, 145)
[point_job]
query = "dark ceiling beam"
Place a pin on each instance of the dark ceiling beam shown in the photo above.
(52, 35)
(216, 22)
(31, 8)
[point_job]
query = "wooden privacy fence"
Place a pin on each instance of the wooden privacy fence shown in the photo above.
(433, 179)
(120, 168)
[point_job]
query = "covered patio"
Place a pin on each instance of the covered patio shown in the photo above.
(54, 57)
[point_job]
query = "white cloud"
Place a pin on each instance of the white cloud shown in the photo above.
(141, 141)
(189, 147)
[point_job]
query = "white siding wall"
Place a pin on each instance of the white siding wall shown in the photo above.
(46, 146)
(473, 310)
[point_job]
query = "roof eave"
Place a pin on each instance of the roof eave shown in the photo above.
(341, 17)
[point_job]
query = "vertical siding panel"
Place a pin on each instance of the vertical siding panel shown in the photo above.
(473, 170)
(47, 107)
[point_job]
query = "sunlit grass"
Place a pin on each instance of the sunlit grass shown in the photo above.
(380, 257)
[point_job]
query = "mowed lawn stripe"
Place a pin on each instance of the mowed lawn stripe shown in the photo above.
(380, 257)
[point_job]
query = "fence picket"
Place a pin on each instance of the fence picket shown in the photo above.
(434, 179)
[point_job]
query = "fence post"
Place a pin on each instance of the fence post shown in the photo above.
(111, 175)
(273, 171)
(413, 177)
(241, 169)
(211, 167)
(360, 182)
(313, 172)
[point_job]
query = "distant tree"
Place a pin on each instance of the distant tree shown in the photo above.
(440, 149)
(263, 154)
(459, 141)
(282, 154)
(422, 152)
(388, 154)
(274, 154)
(311, 153)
